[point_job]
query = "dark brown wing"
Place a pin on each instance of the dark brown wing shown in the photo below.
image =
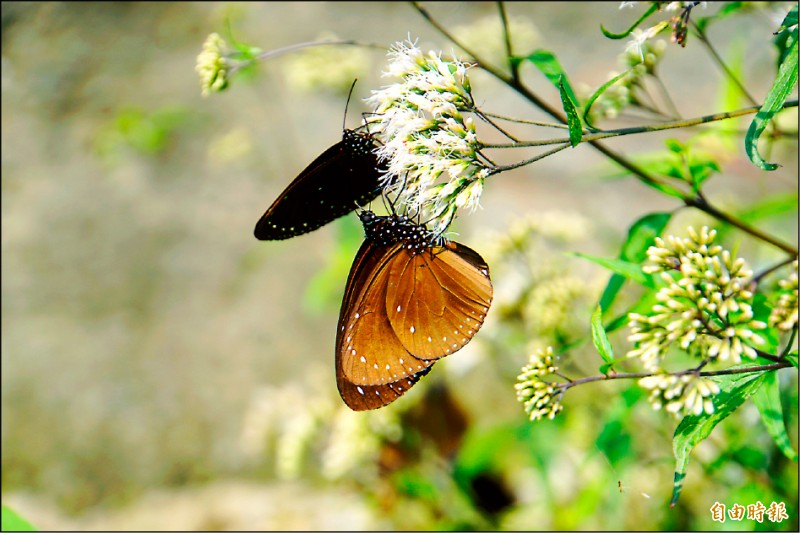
(345, 175)
(437, 300)
(372, 367)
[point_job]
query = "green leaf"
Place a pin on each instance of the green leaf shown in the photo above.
(777, 205)
(603, 88)
(631, 271)
(573, 119)
(653, 8)
(786, 35)
(605, 367)
(792, 358)
(643, 306)
(640, 237)
(693, 429)
(768, 401)
(547, 63)
(599, 337)
(783, 86)
(790, 19)
(11, 521)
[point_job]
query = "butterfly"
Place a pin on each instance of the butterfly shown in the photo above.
(411, 298)
(345, 175)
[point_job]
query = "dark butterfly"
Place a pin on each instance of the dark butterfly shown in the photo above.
(346, 175)
(411, 298)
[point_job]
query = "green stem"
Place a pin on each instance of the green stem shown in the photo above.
(710, 373)
(512, 65)
(718, 59)
(271, 54)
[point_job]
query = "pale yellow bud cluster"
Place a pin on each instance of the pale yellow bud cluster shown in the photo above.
(211, 65)
(705, 307)
(784, 313)
(540, 398)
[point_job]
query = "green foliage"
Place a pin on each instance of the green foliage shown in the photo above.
(570, 108)
(650, 10)
(634, 250)
(693, 429)
(600, 339)
(768, 401)
(599, 92)
(147, 133)
(784, 84)
(549, 65)
(626, 269)
(12, 521)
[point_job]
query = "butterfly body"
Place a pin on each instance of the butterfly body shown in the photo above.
(412, 297)
(344, 176)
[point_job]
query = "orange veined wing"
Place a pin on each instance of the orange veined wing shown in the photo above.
(373, 368)
(437, 300)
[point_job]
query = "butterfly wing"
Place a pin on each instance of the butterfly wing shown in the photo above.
(365, 397)
(373, 368)
(437, 300)
(345, 175)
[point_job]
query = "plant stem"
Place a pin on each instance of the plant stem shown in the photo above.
(605, 134)
(271, 54)
(710, 373)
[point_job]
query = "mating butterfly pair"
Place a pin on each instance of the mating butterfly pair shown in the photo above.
(411, 298)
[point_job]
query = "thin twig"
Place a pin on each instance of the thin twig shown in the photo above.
(761, 275)
(512, 65)
(605, 134)
(271, 54)
(710, 373)
(497, 170)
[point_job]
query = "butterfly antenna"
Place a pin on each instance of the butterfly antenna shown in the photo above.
(349, 94)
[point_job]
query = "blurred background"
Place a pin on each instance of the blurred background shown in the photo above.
(162, 369)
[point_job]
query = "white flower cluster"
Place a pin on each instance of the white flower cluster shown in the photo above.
(681, 395)
(705, 307)
(540, 398)
(211, 65)
(431, 148)
(784, 314)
